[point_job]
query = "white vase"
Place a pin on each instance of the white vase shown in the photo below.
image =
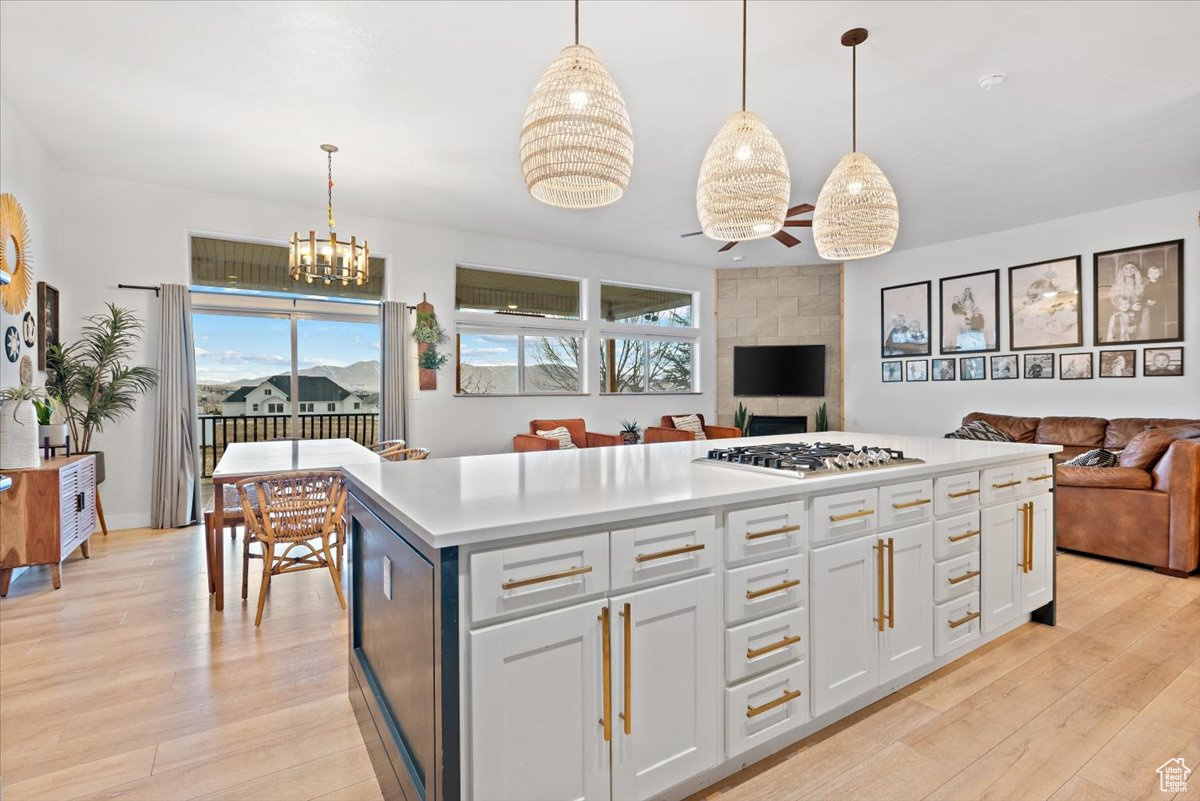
(19, 436)
(55, 432)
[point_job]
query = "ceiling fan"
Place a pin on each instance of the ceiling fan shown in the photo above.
(782, 236)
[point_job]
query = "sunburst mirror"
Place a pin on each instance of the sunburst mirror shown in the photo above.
(14, 254)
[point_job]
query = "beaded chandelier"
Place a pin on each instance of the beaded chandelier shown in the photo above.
(857, 214)
(576, 141)
(329, 260)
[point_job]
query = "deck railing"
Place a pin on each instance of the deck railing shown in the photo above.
(219, 431)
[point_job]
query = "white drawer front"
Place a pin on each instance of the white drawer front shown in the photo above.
(956, 536)
(1000, 484)
(766, 707)
(956, 493)
(955, 623)
(663, 550)
(1039, 476)
(764, 531)
(766, 644)
(905, 504)
(956, 577)
(846, 514)
(763, 588)
(524, 578)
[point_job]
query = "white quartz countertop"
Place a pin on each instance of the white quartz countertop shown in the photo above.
(479, 499)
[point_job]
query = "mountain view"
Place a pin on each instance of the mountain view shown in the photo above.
(362, 375)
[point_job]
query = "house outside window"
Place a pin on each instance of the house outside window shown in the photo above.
(255, 407)
(331, 407)
(357, 406)
(275, 408)
(648, 340)
(267, 391)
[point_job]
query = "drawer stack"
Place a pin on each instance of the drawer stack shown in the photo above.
(766, 619)
(956, 569)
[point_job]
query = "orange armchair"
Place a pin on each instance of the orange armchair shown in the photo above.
(667, 432)
(580, 436)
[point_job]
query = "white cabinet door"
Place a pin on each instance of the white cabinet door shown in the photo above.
(906, 641)
(1037, 579)
(536, 708)
(666, 695)
(844, 660)
(1000, 555)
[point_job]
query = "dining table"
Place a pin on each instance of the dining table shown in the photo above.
(248, 459)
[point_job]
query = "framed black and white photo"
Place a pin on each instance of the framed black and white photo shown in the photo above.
(1005, 367)
(1039, 365)
(1118, 363)
(971, 368)
(47, 321)
(1162, 361)
(943, 369)
(970, 312)
(904, 319)
(917, 370)
(1074, 366)
(893, 372)
(1044, 305)
(1139, 294)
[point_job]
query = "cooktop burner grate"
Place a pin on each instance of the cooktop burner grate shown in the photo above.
(801, 458)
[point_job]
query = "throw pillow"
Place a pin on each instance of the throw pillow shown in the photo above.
(1098, 457)
(560, 435)
(980, 430)
(690, 422)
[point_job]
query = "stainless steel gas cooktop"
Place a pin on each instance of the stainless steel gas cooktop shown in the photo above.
(802, 458)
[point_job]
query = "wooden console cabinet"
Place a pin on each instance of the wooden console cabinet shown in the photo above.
(47, 513)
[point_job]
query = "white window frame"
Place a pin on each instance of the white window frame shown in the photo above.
(521, 332)
(652, 333)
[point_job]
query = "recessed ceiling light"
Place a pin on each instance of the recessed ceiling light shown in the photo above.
(992, 80)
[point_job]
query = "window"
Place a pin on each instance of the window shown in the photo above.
(646, 365)
(275, 408)
(224, 265)
(357, 406)
(516, 294)
(633, 305)
(267, 391)
(648, 340)
(331, 407)
(306, 407)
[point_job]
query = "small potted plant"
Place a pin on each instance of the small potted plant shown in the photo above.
(19, 427)
(821, 420)
(631, 432)
(52, 429)
(741, 419)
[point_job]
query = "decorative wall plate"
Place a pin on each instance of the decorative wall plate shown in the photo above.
(14, 255)
(26, 370)
(12, 343)
(29, 329)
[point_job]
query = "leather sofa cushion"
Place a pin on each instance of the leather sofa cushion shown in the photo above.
(1083, 432)
(1021, 429)
(1144, 450)
(1120, 477)
(1122, 429)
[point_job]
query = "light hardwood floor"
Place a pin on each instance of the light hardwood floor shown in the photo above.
(123, 685)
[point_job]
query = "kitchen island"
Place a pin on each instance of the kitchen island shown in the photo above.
(629, 623)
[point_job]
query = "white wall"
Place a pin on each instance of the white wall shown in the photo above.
(935, 408)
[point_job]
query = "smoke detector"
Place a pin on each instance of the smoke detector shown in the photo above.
(989, 82)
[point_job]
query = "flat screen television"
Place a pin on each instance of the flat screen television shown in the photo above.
(781, 370)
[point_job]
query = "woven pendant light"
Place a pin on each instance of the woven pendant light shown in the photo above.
(744, 183)
(576, 142)
(857, 214)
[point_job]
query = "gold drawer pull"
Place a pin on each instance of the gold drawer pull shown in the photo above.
(851, 515)
(966, 535)
(911, 504)
(606, 669)
(1040, 478)
(774, 588)
(575, 571)
(970, 574)
(786, 642)
(649, 557)
(789, 695)
(1006, 484)
(962, 621)
(962, 494)
(757, 535)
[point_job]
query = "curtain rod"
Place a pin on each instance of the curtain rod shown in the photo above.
(154, 289)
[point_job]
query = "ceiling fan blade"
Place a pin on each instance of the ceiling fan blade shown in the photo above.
(728, 245)
(693, 233)
(803, 208)
(797, 224)
(786, 238)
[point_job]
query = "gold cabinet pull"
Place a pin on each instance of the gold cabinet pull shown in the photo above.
(788, 695)
(962, 494)
(627, 715)
(649, 557)
(891, 551)
(879, 618)
(1006, 484)
(1029, 529)
(970, 574)
(1024, 563)
(1040, 478)
(911, 504)
(851, 515)
(774, 588)
(786, 642)
(966, 535)
(758, 535)
(964, 620)
(574, 571)
(606, 637)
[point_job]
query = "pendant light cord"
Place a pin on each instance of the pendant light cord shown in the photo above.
(576, 21)
(854, 99)
(744, 55)
(329, 158)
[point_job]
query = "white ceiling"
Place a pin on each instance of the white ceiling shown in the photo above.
(1101, 106)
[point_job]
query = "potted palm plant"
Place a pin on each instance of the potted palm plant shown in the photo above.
(52, 427)
(92, 379)
(19, 427)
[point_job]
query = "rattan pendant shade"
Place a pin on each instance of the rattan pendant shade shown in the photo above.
(744, 182)
(576, 141)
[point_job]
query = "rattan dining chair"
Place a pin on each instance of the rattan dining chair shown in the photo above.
(402, 454)
(299, 512)
(387, 445)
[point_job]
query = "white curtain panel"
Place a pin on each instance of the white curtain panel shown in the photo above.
(175, 497)
(393, 333)
(412, 376)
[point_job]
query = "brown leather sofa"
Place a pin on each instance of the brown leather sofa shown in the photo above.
(666, 431)
(1145, 510)
(580, 436)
